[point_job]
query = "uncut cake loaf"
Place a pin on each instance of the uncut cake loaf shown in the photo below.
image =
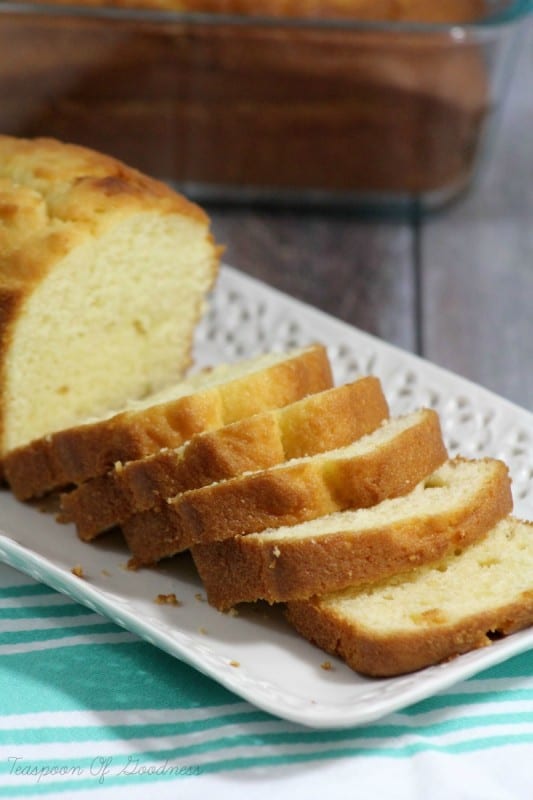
(404, 10)
(261, 108)
(103, 276)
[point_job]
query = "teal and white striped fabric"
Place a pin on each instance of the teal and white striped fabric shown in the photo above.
(89, 710)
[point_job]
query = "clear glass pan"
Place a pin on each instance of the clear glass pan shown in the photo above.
(232, 106)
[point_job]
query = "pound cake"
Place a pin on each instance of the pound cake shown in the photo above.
(467, 600)
(205, 401)
(396, 10)
(320, 421)
(453, 507)
(261, 109)
(388, 462)
(103, 277)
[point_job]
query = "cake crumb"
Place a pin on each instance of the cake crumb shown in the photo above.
(232, 612)
(276, 552)
(77, 571)
(168, 600)
(233, 663)
(105, 572)
(326, 665)
(203, 631)
(200, 597)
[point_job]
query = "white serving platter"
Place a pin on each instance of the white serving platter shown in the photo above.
(255, 653)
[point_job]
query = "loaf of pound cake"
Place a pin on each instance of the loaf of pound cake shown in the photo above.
(227, 108)
(392, 10)
(103, 277)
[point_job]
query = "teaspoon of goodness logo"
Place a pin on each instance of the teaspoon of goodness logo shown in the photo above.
(100, 769)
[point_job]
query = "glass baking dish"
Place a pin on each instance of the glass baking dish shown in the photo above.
(244, 106)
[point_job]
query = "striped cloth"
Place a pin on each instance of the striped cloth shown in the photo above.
(89, 710)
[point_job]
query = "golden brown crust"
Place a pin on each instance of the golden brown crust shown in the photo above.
(397, 654)
(332, 419)
(10, 300)
(75, 184)
(109, 500)
(54, 195)
(72, 456)
(86, 451)
(319, 422)
(289, 380)
(244, 569)
(287, 495)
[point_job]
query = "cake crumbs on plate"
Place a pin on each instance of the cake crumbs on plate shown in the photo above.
(326, 665)
(233, 663)
(200, 597)
(203, 631)
(77, 570)
(168, 600)
(105, 573)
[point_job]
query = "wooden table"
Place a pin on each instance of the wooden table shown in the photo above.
(456, 286)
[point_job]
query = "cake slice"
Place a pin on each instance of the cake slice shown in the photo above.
(468, 600)
(453, 507)
(321, 421)
(205, 401)
(104, 274)
(388, 462)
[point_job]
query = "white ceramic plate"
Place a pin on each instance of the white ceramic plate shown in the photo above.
(255, 654)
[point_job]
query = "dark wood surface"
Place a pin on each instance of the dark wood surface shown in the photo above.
(455, 286)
